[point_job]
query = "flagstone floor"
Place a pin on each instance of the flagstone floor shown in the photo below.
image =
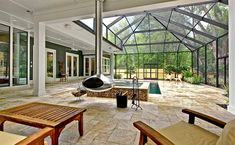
(105, 124)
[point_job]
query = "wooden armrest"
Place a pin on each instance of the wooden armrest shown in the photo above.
(147, 131)
(193, 114)
(37, 138)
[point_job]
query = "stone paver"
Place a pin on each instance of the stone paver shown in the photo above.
(104, 124)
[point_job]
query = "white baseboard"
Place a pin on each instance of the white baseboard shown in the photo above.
(231, 109)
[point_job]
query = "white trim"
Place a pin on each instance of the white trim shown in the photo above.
(28, 58)
(11, 56)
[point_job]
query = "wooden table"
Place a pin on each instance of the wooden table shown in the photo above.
(42, 115)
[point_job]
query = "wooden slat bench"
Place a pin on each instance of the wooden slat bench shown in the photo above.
(43, 115)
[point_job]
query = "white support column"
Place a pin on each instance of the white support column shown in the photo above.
(231, 107)
(39, 58)
(112, 65)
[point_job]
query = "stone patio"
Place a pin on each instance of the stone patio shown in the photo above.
(104, 124)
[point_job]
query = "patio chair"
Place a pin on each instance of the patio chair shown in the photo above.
(179, 77)
(80, 92)
(34, 139)
(183, 133)
(169, 77)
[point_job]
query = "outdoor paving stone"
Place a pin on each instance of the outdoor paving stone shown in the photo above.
(105, 124)
(122, 136)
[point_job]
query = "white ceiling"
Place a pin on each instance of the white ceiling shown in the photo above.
(77, 36)
(37, 5)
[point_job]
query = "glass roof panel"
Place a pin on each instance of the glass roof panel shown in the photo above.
(131, 19)
(109, 20)
(89, 22)
(144, 48)
(182, 47)
(144, 25)
(170, 37)
(218, 13)
(199, 37)
(157, 48)
(125, 33)
(183, 19)
(200, 10)
(142, 38)
(162, 13)
(162, 20)
(178, 29)
(210, 29)
(192, 43)
(131, 49)
(131, 40)
(135, 25)
(179, 37)
(119, 25)
(154, 24)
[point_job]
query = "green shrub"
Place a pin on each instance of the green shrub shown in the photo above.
(193, 79)
(188, 74)
(169, 69)
(184, 68)
(197, 80)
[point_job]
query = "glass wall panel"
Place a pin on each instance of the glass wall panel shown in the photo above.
(170, 58)
(184, 59)
(4, 55)
(202, 62)
(227, 71)
(121, 63)
(211, 63)
(221, 76)
(195, 62)
(132, 65)
(223, 46)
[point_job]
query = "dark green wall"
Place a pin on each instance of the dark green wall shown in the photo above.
(60, 57)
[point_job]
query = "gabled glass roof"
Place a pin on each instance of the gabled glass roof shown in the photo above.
(183, 28)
